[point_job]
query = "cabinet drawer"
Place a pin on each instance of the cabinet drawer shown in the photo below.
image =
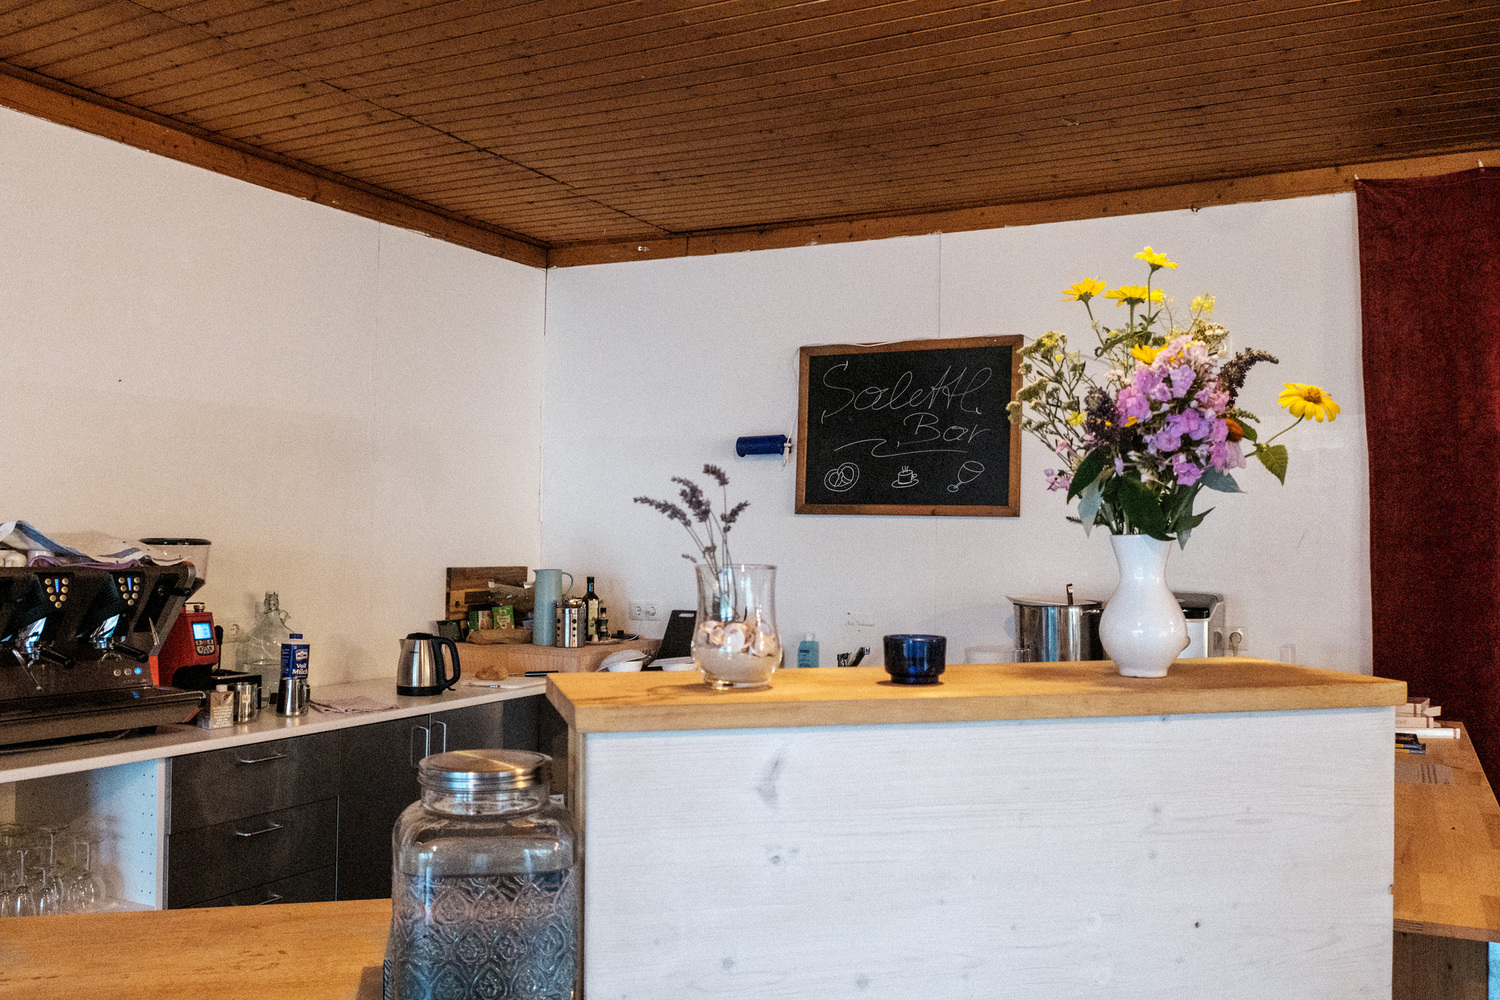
(218, 860)
(310, 887)
(221, 785)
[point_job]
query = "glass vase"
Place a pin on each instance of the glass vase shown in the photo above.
(736, 644)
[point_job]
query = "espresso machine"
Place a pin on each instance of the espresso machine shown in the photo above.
(76, 649)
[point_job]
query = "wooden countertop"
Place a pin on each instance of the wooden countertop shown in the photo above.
(299, 951)
(653, 701)
(1447, 845)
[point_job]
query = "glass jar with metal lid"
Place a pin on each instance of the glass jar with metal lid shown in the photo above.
(484, 885)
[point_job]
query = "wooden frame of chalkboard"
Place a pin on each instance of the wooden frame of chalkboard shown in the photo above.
(918, 427)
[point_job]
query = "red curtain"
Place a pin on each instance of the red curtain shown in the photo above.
(1429, 268)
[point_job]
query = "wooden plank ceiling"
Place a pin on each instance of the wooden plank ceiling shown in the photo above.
(566, 122)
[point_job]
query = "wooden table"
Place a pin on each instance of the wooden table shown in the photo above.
(1447, 887)
(301, 951)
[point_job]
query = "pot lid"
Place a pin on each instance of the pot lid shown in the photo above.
(467, 771)
(1052, 602)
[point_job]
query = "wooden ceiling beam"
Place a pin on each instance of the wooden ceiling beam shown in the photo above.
(90, 113)
(1267, 187)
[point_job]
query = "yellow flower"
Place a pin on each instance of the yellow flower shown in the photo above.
(1132, 295)
(1308, 401)
(1155, 259)
(1075, 418)
(1083, 290)
(1145, 354)
(1203, 305)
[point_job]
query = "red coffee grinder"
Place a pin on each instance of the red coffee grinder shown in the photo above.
(192, 646)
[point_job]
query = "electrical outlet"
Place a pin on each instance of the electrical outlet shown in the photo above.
(1236, 641)
(645, 611)
(234, 631)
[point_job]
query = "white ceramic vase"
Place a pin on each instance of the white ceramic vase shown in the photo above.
(1142, 627)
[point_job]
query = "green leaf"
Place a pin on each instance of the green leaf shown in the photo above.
(1274, 458)
(1222, 482)
(1088, 506)
(1088, 470)
(1142, 508)
(1183, 534)
(1248, 428)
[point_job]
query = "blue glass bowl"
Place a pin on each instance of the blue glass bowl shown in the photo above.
(915, 659)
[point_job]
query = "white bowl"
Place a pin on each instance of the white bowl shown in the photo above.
(676, 663)
(625, 661)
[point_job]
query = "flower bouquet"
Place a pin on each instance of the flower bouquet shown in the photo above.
(1142, 426)
(1140, 438)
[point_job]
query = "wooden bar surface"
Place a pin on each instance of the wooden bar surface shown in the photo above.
(658, 701)
(295, 951)
(1448, 848)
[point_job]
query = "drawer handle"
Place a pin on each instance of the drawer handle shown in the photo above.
(274, 897)
(261, 760)
(256, 833)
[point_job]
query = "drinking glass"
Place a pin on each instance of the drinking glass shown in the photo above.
(22, 901)
(87, 891)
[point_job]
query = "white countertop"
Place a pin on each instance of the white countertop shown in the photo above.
(171, 741)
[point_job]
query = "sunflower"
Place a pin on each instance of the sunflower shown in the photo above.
(1133, 295)
(1083, 290)
(1308, 401)
(1155, 259)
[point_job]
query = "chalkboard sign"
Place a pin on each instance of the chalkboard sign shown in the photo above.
(918, 427)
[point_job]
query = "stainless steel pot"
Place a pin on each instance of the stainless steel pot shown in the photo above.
(1051, 630)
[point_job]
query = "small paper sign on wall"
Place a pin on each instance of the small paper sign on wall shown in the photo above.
(918, 427)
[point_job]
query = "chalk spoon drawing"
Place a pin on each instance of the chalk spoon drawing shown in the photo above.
(841, 479)
(967, 473)
(905, 478)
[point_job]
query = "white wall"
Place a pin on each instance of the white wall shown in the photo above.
(342, 407)
(654, 368)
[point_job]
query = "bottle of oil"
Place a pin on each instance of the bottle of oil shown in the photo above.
(591, 604)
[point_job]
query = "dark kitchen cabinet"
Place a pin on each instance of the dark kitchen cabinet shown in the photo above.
(247, 817)
(378, 778)
(309, 818)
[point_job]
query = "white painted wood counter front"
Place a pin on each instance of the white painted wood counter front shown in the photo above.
(1022, 830)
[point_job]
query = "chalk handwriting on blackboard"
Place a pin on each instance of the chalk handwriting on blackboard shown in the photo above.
(950, 390)
(924, 429)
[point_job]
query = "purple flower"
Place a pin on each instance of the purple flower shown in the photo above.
(1226, 455)
(1182, 379)
(1057, 480)
(1212, 398)
(1132, 404)
(1186, 471)
(1119, 466)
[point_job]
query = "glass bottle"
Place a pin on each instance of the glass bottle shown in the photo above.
(484, 884)
(260, 653)
(591, 612)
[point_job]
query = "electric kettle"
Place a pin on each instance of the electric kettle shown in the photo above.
(421, 668)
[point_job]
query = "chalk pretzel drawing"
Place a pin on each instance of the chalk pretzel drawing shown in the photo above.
(841, 479)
